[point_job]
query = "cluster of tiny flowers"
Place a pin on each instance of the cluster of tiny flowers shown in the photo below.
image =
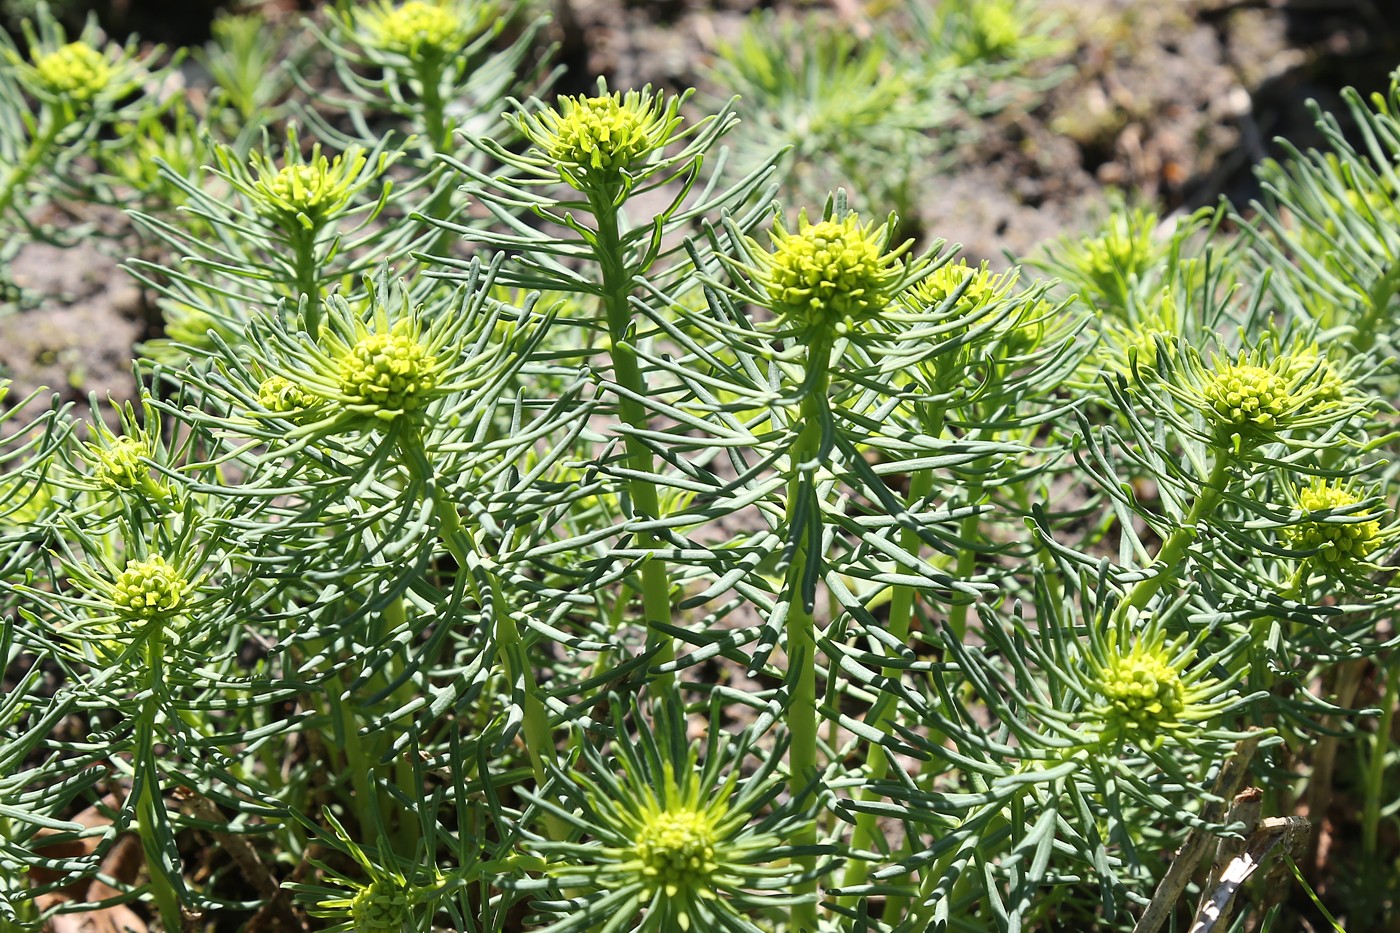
(1321, 377)
(76, 71)
(933, 290)
(676, 849)
(148, 589)
(392, 372)
(280, 394)
(604, 134)
(119, 465)
(1144, 690)
(315, 190)
(383, 906)
(1339, 545)
(1243, 395)
(416, 29)
(829, 273)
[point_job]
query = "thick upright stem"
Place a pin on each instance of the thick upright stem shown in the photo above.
(356, 762)
(617, 289)
(1169, 557)
(307, 278)
(1375, 770)
(801, 634)
(150, 803)
(539, 736)
(34, 157)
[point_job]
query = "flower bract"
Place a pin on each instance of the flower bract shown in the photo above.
(828, 276)
(76, 71)
(602, 143)
(1345, 541)
(416, 29)
(148, 589)
(1146, 690)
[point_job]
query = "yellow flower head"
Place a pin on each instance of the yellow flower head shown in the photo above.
(383, 906)
(307, 194)
(117, 465)
(76, 71)
(416, 29)
(282, 395)
(829, 275)
(1144, 692)
(1143, 689)
(148, 589)
(1341, 543)
(1243, 395)
(676, 849)
(392, 372)
(933, 290)
(602, 142)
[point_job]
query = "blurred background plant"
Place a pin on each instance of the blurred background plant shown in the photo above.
(885, 107)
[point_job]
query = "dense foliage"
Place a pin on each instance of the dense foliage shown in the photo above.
(529, 522)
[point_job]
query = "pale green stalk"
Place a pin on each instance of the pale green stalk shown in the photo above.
(616, 292)
(801, 635)
(877, 763)
(1375, 772)
(1169, 558)
(458, 542)
(306, 279)
(150, 803)
(356, 762)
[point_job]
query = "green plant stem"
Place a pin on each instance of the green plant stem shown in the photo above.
(1170, 556)
(34, 157)
(306, 279)
(150, 803)
(1375, 771)
(457, 540)
(356, 762)
(877, 762)
(801, 635)
(437, 129)
(617, 290)
(431, 105)
(966, 563)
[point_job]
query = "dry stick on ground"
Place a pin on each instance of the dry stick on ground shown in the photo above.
(1227, 878)
(1198, 842)
(245, 856)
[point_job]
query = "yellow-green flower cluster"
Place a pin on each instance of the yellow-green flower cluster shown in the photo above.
(676, 841)
(1243, 395)
(1342, 543)
(993, 33)
(934, 289)
(117, 465)
(415, 30)
(76, 71)
(282, 395)
(676, 849)
(306, 195)
(1143, 691)
(597, 142)
(392, 372)
(148, 589)
(1255, 395)
(829, 275)
(383, 906)
(1105, 268)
